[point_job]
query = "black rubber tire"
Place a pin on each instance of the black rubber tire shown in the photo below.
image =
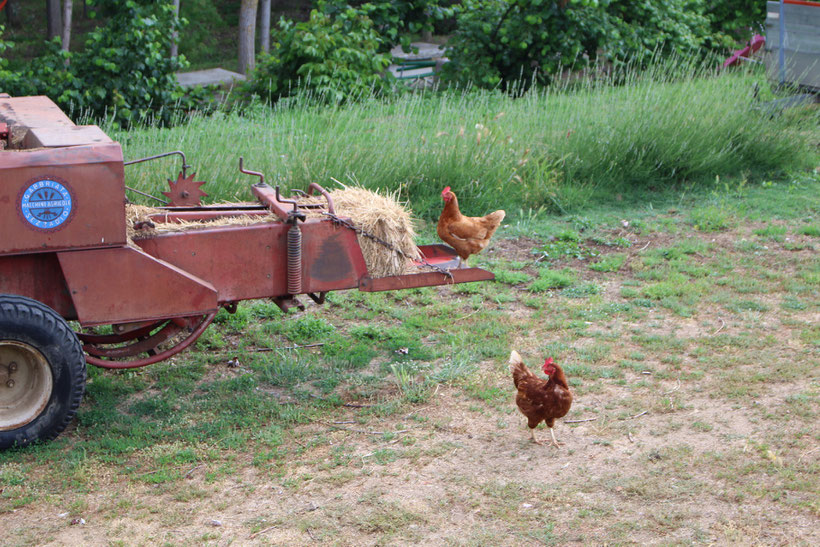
(30, 322)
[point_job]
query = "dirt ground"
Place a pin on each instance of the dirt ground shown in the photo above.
(664, 456)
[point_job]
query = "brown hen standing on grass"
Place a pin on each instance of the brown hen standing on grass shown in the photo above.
(467, 235)
(540, 400)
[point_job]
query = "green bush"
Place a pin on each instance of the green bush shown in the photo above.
(500, 42)
(396, 22)
(123, 71)
(8, 80)
(335, 58)
(517, 42)
(735, 21)
(644, 29)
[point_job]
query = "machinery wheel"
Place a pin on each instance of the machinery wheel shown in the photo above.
(42, 372)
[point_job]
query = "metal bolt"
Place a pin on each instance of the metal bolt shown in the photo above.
(10, 383)
(12, 367)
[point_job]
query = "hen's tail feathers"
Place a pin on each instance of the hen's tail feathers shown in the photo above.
(518, 368)
(495, 218)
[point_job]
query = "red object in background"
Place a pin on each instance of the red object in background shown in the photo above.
(754, 44)
(3, 4)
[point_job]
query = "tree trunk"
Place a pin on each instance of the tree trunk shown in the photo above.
(54, 24)
(12, 15)
(67, 7)
(175, 36)
(247, 30)
(264, 26)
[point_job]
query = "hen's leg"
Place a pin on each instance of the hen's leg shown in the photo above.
(555, 443)
(532, 436)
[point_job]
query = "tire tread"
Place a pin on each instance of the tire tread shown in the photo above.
(23, 307)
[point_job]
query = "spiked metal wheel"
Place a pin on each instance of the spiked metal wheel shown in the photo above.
(185, 192)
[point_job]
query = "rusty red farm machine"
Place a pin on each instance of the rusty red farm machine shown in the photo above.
(74, 289)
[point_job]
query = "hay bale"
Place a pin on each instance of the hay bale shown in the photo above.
(381, 215)
(377, 214)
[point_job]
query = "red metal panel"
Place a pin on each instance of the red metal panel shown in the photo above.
(122, 284)
(37, 111)
(267, 195)
(88, 204)
(442, 256)
(37, 276)
(331, 257)
(438, 255)
(57, 136)
(426, 279)
(241, 262)
(244, 262)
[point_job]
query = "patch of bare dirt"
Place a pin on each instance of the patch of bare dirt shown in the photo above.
(514, 249)
(663, 453)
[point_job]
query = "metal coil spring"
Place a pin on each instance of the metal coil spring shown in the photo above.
(294, 260)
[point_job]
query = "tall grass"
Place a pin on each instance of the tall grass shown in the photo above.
(550, 148)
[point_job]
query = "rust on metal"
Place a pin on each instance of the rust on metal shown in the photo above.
(294, 259)
(39, 111)
(185, 191)
(244, 262)
(270, 198)
(38, 276)
(122, 333)
(154, 355)
(314, 186)
(436, 255)
(426, 279)
(62, 198)
(132, 286)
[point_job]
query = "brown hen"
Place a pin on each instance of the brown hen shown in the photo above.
(540, 400)
(467, 235)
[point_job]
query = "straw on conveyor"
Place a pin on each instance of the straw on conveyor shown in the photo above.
(137, 213)
(377, 214)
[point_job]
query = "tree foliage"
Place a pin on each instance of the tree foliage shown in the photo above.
(734, 21)
(332, 56)
(123, 71)
(396, 22)
(498, 42)
(639, 30)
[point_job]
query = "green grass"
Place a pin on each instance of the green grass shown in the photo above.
(552, 279)
(659, 130)
(609, 263)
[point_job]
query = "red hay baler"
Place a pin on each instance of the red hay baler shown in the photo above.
(65, 256)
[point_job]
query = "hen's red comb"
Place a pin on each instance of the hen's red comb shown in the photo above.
(447, 189)
(548, 361)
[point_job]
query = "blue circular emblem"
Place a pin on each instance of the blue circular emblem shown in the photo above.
(46, 204)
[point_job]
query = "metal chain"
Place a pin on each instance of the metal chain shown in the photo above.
(377, 239)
